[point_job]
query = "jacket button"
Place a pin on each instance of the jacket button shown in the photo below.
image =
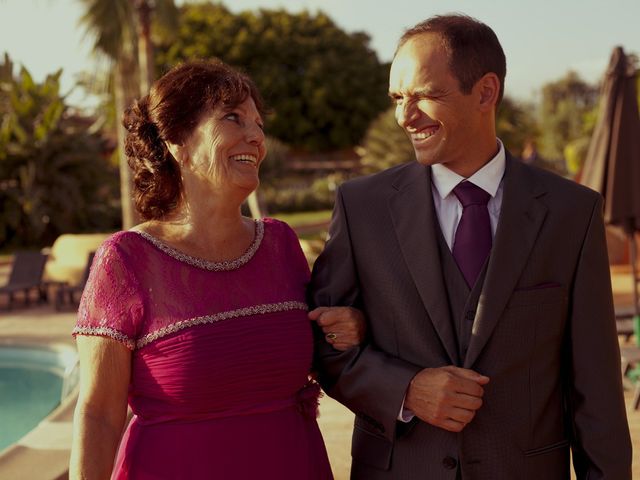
(470, 315)
(449, 463)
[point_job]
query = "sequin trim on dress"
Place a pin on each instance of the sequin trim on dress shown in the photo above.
(105, 332)
(205, 264)
(242, 312)
(182, 324)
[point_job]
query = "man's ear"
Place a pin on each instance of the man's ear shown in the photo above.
(179, 152)
(488, 88)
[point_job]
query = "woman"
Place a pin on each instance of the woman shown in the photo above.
(198, 315)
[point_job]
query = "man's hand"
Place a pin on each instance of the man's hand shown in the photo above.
(446, 397)
(344, 327)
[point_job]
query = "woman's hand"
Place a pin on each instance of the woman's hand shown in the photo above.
(344, 327)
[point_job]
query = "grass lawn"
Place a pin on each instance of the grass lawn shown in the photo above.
(297, 219)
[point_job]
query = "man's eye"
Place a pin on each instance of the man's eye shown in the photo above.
(234, 117)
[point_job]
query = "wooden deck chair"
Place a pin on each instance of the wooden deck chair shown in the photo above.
(25, 276)
(68, 292)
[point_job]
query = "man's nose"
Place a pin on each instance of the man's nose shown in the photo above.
(406, 113)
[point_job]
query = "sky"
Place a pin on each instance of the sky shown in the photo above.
(542, 39)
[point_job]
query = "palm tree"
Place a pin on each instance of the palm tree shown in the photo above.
(122, 33)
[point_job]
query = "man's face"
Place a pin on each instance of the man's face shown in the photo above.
(440, 120)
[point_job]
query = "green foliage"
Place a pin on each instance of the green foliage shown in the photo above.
(385, 144)
(111, 26)
(575, 154)
(297, 219)
(567, 111)
(324, 85)
(295, 195)
(274, 166)
(53, 177)
(515, 124)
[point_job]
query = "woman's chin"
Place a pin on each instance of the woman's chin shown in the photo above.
(247, 185)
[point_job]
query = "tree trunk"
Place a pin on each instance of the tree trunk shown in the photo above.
(145, 45)
(257, 211)
(125, 93)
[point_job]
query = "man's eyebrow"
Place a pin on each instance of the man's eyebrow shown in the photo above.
(417, 93)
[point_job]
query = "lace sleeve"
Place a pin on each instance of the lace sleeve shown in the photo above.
(111, 303)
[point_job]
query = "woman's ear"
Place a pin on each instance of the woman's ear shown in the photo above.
(489, 89)
(179, 153)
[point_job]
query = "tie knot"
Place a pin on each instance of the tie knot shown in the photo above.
(470, 194)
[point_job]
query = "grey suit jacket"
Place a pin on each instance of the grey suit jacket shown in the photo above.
(544, 332)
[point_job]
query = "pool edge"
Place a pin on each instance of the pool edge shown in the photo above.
(39, 455)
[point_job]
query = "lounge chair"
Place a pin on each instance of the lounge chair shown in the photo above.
(66, 291)
(631, 360)
(25, 276)
(624, 321)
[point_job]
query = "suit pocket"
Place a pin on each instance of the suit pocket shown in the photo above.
(550, 462)
(546, 449)
(371, 449)
(538, 295)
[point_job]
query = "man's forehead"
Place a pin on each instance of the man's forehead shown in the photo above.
(408, 72)
(419, 61)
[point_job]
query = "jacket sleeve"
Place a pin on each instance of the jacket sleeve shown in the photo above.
(601, 444)
(368, 381)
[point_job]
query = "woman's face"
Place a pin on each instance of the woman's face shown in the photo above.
(227, 147)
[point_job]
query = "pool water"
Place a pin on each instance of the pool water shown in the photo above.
(32, 383)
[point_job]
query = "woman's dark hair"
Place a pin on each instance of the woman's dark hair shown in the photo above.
(472, 47)
(170, 113)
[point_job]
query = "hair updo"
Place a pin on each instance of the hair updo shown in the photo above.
(170, 113)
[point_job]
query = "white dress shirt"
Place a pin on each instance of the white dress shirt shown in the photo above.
(449, 209)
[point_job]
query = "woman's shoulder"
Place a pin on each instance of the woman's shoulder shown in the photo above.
(276, 225)
(278, 228)
(122, 244)
(120, 240)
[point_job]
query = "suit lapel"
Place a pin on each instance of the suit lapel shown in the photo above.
(521, 216)
(414, 218)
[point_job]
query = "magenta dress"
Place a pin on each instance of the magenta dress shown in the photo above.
(221, 354)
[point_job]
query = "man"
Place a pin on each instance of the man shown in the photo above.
(491, 348)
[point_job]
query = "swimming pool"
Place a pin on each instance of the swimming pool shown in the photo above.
(33, 381)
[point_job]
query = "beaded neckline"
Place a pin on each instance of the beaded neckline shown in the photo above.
(206, 264)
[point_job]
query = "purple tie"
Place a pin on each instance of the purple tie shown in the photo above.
(472, 243)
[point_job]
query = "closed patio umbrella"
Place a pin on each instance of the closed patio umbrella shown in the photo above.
(612, 166)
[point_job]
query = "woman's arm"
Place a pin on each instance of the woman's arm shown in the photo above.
(105, 370)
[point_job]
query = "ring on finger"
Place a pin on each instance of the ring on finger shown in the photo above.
(331, 336)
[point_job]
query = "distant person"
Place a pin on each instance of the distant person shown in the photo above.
(197, 316)
(530, 154)
(491, 350)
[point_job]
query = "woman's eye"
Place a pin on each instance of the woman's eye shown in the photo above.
(234, 117)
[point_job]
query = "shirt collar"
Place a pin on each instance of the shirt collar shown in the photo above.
(488, 177)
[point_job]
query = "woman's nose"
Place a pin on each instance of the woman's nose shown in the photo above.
(255, 135)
